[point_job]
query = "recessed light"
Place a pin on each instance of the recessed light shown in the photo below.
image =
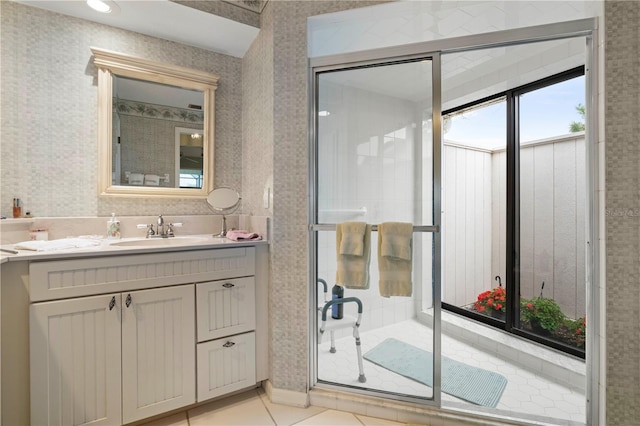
(99, 6)
(324, 113)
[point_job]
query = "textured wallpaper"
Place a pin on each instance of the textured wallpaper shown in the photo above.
(622, 214)
(49, 113)
(224, 9)
(257, 123)
(289, 249)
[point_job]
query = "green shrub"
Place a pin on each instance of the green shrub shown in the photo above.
(544, 312)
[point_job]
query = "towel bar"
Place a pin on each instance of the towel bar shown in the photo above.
(416, 228)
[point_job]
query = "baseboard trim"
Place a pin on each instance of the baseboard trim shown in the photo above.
(285, 396)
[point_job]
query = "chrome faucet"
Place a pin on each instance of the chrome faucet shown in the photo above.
(162, 230)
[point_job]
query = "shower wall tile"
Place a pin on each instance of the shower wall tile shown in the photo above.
(622, 153)
(49, 113)
(366, 143)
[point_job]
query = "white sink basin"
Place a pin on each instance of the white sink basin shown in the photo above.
(160, 242)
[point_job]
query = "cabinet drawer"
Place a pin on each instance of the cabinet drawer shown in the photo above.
(225, 307)
(226, 365)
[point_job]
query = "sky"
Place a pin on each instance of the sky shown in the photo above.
(544, 113)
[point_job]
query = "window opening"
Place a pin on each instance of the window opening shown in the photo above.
(538, 192)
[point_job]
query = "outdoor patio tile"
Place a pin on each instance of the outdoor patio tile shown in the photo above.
(538, 383)
(529, 390)
(567, 407)
(542, 401)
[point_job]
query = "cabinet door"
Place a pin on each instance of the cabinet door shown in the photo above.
(75, 361)
(225, 307)
(158, 351)
(226, 365)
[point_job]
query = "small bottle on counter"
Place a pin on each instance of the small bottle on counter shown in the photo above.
(17, 208)
(113, 228)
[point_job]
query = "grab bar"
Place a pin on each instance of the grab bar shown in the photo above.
(361, 211)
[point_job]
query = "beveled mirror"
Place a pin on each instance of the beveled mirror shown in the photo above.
(144, 108)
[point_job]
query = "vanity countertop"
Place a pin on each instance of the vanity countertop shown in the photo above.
(128, 246)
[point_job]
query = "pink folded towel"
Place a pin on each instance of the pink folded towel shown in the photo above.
(237, 235)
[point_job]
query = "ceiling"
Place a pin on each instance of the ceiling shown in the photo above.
(166, 20)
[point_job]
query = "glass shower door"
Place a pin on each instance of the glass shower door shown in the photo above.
(374, 161)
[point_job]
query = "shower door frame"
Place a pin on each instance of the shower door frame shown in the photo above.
(434, 229)
(587, 28)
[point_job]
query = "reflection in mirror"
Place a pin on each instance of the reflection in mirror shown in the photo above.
(145, 110)
(188, 161)
(146, 115)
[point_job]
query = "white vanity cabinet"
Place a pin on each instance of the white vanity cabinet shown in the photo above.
(89, 355)
(169, 320)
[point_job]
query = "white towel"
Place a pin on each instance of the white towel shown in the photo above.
(136, 179)
(53, 245)
(151, 180)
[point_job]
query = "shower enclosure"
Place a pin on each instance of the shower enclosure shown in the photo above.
(383, 150)
(376, 126)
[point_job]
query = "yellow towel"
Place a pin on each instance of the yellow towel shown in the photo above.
(394, 258)
(352, 270)
(352, 241)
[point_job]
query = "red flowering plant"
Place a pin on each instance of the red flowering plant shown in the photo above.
(491, 300)
(577, 329)
(578, 326)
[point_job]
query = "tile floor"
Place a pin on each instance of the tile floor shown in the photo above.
(526, 392)
(254, 408)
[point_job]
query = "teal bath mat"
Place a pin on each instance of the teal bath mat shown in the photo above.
(481, 387)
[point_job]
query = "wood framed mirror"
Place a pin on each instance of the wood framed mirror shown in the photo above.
(141, 103)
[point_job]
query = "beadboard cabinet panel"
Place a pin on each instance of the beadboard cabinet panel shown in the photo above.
(226, 365)
(158, 351)
(225, 307)
(75, 361)
(82, 277)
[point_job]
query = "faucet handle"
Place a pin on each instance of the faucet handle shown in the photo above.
(170, 228)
